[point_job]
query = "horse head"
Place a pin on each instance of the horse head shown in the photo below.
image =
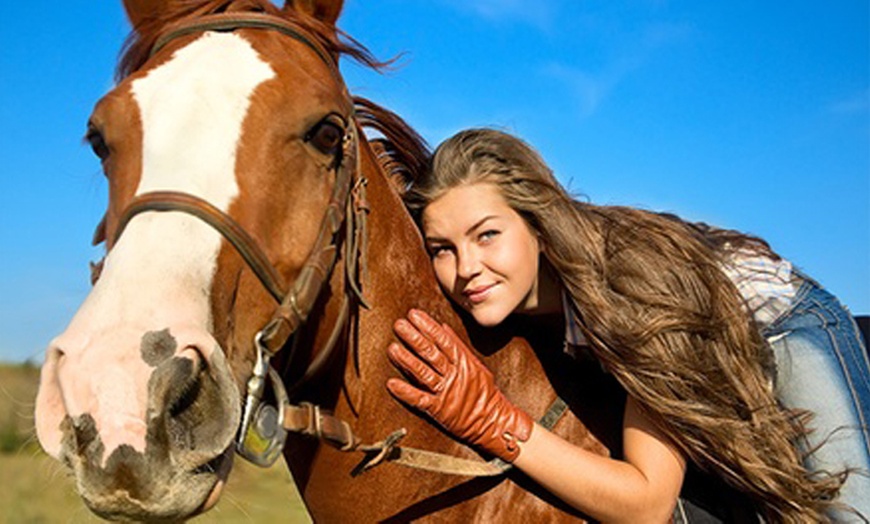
(229, 128)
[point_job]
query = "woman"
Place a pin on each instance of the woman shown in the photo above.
(650, 297)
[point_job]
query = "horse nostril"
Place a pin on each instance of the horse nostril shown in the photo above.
(176, 389)
(176, 383)
(54, 358)
(82, 431)
(193, 406)
(186, 389)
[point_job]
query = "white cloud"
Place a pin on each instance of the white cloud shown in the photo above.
(592, 88)
(539, 14)
(858, 103)
(589, 89)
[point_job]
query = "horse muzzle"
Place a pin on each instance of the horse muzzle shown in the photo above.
(163, 462)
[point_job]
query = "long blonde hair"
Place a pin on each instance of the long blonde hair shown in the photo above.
(661, 316)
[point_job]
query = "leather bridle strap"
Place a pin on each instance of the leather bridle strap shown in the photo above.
(309, 419)
(219, 221)
(299, 302)
(232, 21)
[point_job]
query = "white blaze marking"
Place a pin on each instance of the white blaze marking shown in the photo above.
(192, 109)
(160, 272)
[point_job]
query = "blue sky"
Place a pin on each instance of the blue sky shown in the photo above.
(750, 115)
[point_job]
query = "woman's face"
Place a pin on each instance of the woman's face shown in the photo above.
(485, 255)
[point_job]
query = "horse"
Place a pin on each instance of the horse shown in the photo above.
(257, 254)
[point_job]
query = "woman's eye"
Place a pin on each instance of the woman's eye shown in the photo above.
(437, 251)
(325, 137)
(98, 143)
(488, 235)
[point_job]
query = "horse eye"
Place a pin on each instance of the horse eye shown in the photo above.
(98, 143)
(325, 137)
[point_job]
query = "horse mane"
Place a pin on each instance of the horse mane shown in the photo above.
(138, 45)
(402, 153)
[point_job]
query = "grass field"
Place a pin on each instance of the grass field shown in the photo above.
(36, 489)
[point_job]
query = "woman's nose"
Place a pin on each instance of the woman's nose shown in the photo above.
(468, 264)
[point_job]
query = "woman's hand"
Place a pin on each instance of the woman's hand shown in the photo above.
(454, 387)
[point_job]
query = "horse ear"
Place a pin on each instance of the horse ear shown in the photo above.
(99, 233)
(326, 11)
(140, 10)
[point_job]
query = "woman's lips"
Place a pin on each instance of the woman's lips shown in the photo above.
(478, 294)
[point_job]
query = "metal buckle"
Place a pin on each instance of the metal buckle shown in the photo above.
(262, 435)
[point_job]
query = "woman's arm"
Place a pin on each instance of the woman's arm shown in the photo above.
(455, 389)
(641, 488)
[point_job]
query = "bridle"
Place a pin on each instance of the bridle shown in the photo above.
(261, 435)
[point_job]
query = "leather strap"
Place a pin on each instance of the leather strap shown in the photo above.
(297, 302)
(296, 305)
(229, 21)
(309, 419)
(246, 246)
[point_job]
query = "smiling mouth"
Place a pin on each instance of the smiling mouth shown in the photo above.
(478, 294)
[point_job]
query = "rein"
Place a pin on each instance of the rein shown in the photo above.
(309, 419)
(264, 427)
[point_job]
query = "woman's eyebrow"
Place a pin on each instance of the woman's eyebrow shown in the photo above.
(479, 223)
(435, 240)
(476, 225)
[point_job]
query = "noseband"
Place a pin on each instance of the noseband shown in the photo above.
(261, 437)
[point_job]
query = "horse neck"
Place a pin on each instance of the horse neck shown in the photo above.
(398, 268)
(397, 277)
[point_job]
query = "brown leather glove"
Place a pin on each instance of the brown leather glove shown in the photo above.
(455, 388)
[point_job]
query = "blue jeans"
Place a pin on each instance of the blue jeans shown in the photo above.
(822, 367)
